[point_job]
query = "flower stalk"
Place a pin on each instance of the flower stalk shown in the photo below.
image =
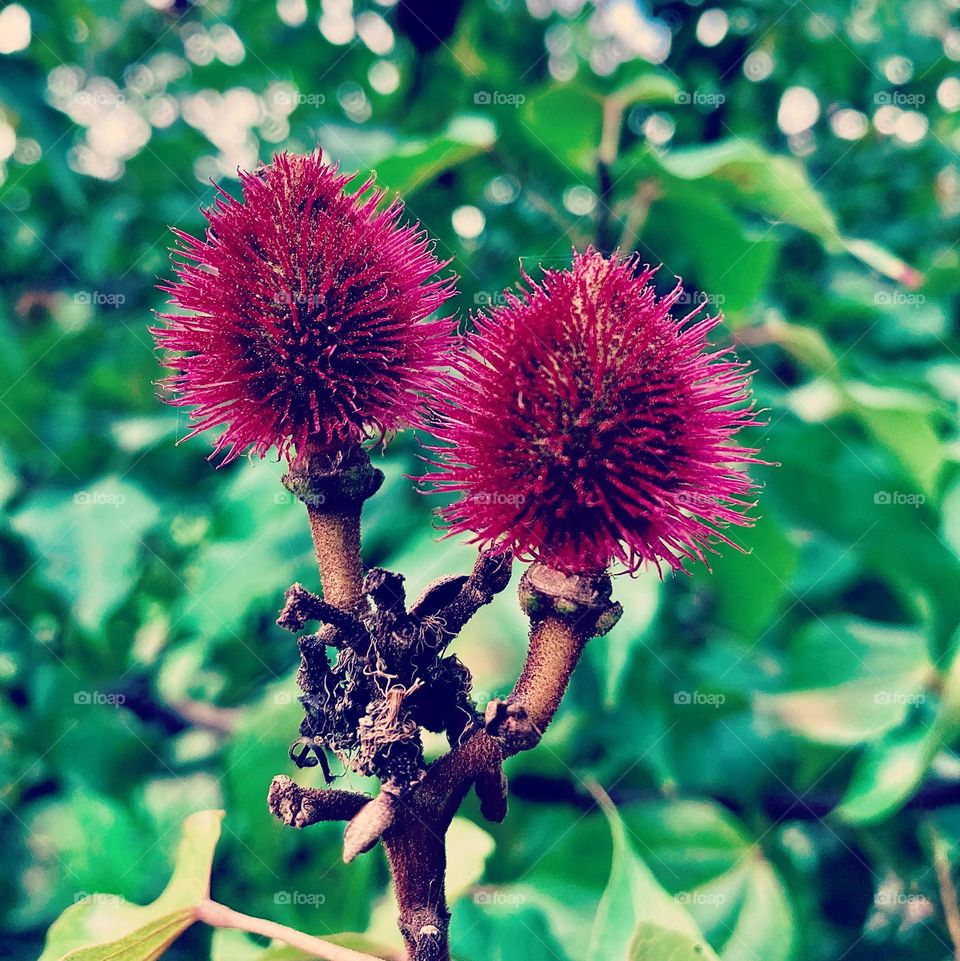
(334, 487)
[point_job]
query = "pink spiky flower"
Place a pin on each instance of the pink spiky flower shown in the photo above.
(585, 425)
(308, 313)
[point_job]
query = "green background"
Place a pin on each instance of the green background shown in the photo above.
(778, 735)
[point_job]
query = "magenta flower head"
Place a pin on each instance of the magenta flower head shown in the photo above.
(307, 313)
(586, 425)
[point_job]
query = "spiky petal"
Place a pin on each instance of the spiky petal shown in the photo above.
(307, 313)
(585, 425)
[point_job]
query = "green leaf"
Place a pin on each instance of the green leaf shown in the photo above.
(265, 547)
(727, 261)
(769, 183)
(564, 123)
(89, 541)
(950, 530)
(903, 423)
(418, 162)
(8, 478)
(890, 770)
(778, 187)
(633, 897)
(764, 575)
(492, 931)
(855, 681)
(842, 715)
(719, 874)
(89, 930)
(886, 775)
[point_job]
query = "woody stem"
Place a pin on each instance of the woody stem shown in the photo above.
(416, 843)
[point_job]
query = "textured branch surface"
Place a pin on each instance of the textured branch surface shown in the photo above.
(301, 806)
(390, 678)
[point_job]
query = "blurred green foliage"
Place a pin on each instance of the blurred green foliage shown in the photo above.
(778, 736)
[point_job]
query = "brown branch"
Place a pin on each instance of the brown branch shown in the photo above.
(565, 612)
(416, 841)
(299, 807)
(301, 606)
